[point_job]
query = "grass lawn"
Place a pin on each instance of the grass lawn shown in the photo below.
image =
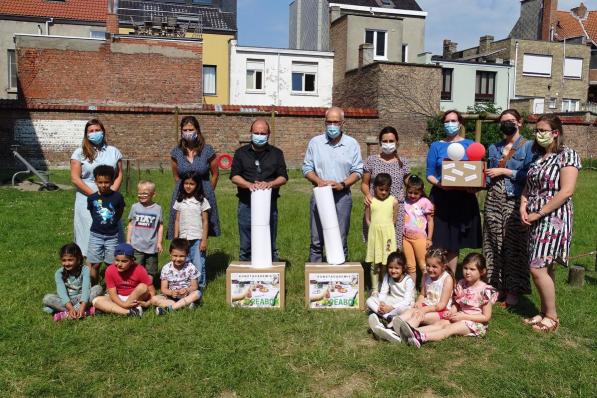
(219, 351)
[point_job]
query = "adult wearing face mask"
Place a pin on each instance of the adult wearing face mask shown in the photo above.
(457, 223)
(333, 159)
(94, 151)
(257, 165)
(546, 207)
(505, 238)
(193, 155)
(387, 161)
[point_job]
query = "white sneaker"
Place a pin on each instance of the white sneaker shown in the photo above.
(386, 334)
(374, 321)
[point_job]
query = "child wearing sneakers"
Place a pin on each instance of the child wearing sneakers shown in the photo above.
(129, 286)
(73, 287)
(145, 229)
(179, 286)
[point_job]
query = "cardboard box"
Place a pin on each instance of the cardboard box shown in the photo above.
(334, 286)
(463, 173)
(255, 287)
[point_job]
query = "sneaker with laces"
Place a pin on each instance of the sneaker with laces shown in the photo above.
(386, 334)
(159, 311)
(59, 316)
(409, 334)
(135, 311)
(90, 311)
(374, 321)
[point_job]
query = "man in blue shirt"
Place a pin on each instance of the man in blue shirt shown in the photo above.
(333, 159)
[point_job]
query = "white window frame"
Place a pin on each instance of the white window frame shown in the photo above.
(536, 65)
(552, 103)
(385, 51)
(570, 105)
(573, 68)
(11, 57)
(404, 52)
(215, 80)
(256, 66)
(97, 34)
(304, 69)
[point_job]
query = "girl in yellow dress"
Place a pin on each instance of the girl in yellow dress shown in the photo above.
(381, 218)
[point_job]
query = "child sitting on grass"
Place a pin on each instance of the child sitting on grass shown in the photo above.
(73, 286)
(129, 286)
(473, 299)
(179, 287)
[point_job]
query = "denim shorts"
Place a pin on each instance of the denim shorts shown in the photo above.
(101, 248)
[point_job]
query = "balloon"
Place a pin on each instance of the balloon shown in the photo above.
(455, 151)
(475, 151)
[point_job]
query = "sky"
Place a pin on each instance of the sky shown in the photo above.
(264, 23)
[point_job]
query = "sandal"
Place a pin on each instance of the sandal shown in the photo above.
(550, 327)
(534, 320)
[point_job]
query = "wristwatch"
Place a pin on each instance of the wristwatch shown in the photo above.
(343, 184)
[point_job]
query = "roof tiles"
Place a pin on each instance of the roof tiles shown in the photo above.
(569, 26)
(78, 10)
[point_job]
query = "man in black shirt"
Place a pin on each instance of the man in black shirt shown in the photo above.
(257, 165)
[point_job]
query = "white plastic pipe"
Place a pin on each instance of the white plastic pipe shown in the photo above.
(261, 245)
(324, 199)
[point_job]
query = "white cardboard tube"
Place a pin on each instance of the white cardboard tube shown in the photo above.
(326, 207)
(261, 245)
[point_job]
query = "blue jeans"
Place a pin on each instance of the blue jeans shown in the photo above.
(197, 257)
(244, 230)
(343, 201)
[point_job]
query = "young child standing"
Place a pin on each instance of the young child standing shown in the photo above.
(73, 286)
(129, 286)
(473, 300)
(435, 298)
(179, 286)
(381, 219)
(397, 294)
(191, 221)
(145, 230)
(418, 226)
(106, 207)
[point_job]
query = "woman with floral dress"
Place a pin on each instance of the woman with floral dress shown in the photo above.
(546, 206)
(387, 161)
(193, 155)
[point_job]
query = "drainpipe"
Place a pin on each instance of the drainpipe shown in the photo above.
(515, 70)
(48, 22)
(278, 81)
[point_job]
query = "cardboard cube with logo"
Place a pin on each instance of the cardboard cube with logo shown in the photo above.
(334, 286)
(248, 286)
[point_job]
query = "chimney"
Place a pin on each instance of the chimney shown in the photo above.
(449, 49)
(485, 44)
(548, 18)
(580, 12)
(112, 18)
(365, 54)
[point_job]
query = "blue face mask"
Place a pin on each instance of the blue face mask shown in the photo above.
(259, 139)
(96, 138)
(451, 128)
(332, 131)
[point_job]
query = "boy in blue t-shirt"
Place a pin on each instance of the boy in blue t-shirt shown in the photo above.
(106, 207)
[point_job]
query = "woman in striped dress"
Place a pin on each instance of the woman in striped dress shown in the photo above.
(505, 238)
(546, 206)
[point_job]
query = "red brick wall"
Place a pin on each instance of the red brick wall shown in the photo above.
(125, 71)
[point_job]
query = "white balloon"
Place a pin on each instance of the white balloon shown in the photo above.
(455, 151)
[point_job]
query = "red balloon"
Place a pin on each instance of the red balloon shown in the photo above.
(475, 151)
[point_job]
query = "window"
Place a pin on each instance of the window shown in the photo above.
(255, 69)
(405, 53)
(570, 105)
(536, 65)
(447, 84)
(97, 34)
(573, 68)
(209, 79)
(12, 70)
(485, 87)
(379, 40)
(304, 77)
(551, 104)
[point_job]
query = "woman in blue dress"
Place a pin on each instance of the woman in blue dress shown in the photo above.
(193, 155)
(94, 151)
(457, 222)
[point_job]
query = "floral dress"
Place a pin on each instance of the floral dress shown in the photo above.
(200, 165)
(551, 235)
(470, 300)
(375, 165)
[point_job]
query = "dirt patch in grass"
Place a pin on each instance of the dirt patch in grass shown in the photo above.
(348, 386)
(32, 186)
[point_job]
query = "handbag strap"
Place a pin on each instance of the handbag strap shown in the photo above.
(511, 153)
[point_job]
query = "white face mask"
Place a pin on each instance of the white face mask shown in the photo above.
(388, 147)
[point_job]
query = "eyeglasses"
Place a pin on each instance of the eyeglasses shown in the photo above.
(334, 122)
(537, 131)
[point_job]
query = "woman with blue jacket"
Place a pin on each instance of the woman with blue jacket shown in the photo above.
(505, 237)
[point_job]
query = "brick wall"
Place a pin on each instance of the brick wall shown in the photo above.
(338, 35)
(122, 71)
